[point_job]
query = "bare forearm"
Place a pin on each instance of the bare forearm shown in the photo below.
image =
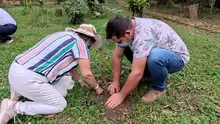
(131, 83)
(116, 62)
(75, 74)
(90, 79)
(86, 72)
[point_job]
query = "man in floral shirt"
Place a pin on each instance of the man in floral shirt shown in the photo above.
(153, 48)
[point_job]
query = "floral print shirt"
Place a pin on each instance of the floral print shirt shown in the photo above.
(152, 33)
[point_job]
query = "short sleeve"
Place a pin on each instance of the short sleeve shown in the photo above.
(80, 50)
(143, 43)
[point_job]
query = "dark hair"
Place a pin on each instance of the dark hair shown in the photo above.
(117, 26)
(85, 37)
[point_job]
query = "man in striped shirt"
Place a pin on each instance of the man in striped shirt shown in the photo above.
(38, 73)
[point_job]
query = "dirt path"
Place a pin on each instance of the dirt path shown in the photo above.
(185, 21)
(198, 23)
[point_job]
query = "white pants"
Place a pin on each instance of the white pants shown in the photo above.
(47, 98)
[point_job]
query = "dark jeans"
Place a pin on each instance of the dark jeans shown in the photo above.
(160, 62)
(6, 30)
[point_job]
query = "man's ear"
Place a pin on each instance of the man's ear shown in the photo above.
(128, 32)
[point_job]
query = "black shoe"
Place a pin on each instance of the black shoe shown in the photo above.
(5, 39)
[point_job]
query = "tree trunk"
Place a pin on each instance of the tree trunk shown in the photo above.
(149, 1)
(193, 11)
(58, 12)
(168, 5)
(30, 15)
(2, 2)
(212, 5)
(140, 12)
(59, 1)
(133, 12)
(182, 5)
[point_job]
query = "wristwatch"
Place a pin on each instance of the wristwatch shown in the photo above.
(97, 86)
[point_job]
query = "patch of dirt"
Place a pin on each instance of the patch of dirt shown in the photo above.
(121, 111)
(117, 114)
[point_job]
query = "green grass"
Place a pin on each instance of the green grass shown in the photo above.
(193, 97)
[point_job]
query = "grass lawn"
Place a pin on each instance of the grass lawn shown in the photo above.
(193, 94)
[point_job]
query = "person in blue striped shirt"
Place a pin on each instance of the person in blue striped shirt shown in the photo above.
(40, 73)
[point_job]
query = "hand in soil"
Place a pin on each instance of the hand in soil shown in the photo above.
(114, 87)
(99, 90)
(114, 100)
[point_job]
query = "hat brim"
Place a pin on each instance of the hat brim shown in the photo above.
(98, 42)
(68, 29)
(98, 38)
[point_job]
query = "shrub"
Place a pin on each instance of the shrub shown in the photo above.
(75, 10)
(137, 6)
(98, 8)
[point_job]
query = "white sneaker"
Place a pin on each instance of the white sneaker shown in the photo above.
(14, 95)
(10, 41)
(7, 112)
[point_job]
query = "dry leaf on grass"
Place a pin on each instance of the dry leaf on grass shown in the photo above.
(217, 109)
(49, 116)
(217, 66)
(168, 85)
(153, 116)
(125, 112)
(106, 57)
(212, 99)
(191, 107)
(165, 106)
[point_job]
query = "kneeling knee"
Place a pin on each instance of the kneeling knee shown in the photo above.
(62, 106)
(154, 60)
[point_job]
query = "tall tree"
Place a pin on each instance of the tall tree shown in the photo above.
(211, 3)
(2, 2)
(193, 8)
